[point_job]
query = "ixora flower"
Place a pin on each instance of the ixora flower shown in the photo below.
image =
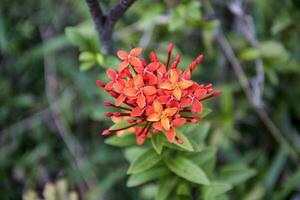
(154, 98)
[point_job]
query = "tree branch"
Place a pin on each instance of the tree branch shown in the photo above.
(104, 24)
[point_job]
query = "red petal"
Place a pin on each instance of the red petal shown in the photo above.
(134, 61)
(185, 102)
(178, 122)
(163, 99)
(150, 99)
(151, 78)
(136, 51)
(149, 90)
(138, 81)
(118, 87)
(141, 101)
(150, 110)
(120, 99)
(122, 66)
(200, 93)
(197, 106)
(111, 73)
(153, 66)
(122, 54)
(131, 92)
(140, 139)
(171, 135)
(158, 126)
(137, 112)
(109, 85)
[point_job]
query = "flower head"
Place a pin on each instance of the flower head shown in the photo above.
(154, 98)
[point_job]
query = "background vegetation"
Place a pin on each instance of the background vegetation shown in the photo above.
(51, 112)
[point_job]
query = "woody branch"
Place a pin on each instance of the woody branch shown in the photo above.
(104, 24)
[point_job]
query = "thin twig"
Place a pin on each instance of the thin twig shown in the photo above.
(248, 29)
(105, 23)
(243, 80)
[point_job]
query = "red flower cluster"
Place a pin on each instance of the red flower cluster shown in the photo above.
(155, 97)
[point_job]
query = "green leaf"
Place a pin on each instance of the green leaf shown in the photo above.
(165, 187)
(157, 141)
(125, 140)
(206, 159)
(249, 54)
(215, 189)
(272, 49)
(186, 169)
(87, 56)
(183, 189)
(145, 161)
(151, 174)
(236, 174)
(84, 66)
(100, 59)
(186, 143)
(288, 186)
(132, 153)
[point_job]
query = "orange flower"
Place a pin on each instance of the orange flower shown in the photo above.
(130, 58)
(161, 115)
(176, 85)
(171, 133)
(155, 97)
(139, 91)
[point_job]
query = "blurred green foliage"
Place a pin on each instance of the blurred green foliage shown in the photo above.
(33, 150)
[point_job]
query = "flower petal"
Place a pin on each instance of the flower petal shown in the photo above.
(118, 87)
(178, 122)
(138, 81)
(177, 93)
(153, 66)
(185, 84)
(151, 78)
(122, 54)
(111, 73)
(131, 92)
(197, 107)
(157, 125)
(153, 117)
(170, 111)
(163, 99)
(166, 85)
(165, 122)
(136, 51)
(185, 102)
(109, 85)
(140, 139)
(158, 107)
(171, 134)
(141, 100)
(149, 90)
(174, 76)
(122, 66)
(137, 111)
(200, 93)
(134, 61)
(121, 98)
